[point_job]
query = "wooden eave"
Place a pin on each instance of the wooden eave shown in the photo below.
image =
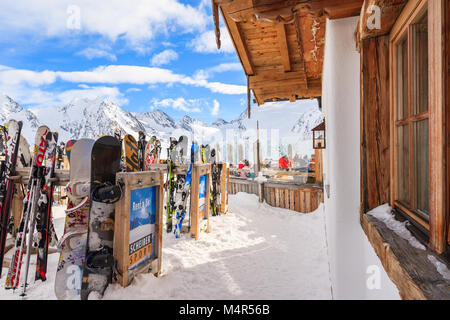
(389, 10)
(280, 43)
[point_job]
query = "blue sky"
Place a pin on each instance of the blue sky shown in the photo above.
(141, 54)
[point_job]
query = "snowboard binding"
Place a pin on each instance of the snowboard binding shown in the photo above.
(106, 193)
(100, 261)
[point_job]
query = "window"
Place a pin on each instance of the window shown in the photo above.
(411, 127)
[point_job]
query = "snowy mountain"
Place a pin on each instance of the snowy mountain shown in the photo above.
(290, 123)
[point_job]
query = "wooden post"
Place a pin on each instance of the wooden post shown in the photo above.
(318, 166)
(199, 217)
(224, 182)
(139, 252)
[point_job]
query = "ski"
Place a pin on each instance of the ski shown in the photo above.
(215, 184)
(29, 206)
(182, 186)
(99, 264)
(44, 217)
(171, 158)
(72, 244)
(141, 150)
(150, 154)
(8, 169)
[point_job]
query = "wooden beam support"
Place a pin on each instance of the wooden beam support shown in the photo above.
(281, 31)
(437, 124)
(263, 76)
(300, 46)
(277, 83)
(238, 42)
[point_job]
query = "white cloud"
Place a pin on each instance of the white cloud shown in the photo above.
(38, 98)
(216, 108)
(164, 57)
(190, 105)
(136, 21)
(133, 90)
(206, 42)
(223, 67)
(113, 75)
(93, 53)
(112, 93)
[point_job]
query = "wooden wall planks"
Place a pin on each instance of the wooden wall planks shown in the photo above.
(375, 122)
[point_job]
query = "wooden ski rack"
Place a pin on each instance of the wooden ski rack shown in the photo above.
(23, 174)
(199, 217)
(131, 258)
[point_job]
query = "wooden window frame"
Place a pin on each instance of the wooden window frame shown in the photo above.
(436, 224)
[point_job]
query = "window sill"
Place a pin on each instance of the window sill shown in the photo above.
(409, 268)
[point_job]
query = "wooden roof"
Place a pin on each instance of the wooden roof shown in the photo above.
(280, 43)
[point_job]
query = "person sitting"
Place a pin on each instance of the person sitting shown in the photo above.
(283, 163)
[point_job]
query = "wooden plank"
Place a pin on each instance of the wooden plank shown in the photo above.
(297, 201)
(291, 200)
(409, 268)
(284, 51)
(375, 122)
(277, 197)
(447, 108)
(307, 201)
(437, 117)
(239, 44)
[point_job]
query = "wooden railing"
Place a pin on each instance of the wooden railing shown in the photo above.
(304, 198)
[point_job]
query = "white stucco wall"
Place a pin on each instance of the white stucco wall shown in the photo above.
(350, 252)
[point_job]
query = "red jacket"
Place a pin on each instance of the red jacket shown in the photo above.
(283, 164)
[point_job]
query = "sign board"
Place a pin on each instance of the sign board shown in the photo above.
(142, 226)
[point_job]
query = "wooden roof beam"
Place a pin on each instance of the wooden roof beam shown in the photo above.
(300, 45)
(390, 10)
(281, 32)
(239, 44)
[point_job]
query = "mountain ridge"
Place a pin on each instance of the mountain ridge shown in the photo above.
(92, 118)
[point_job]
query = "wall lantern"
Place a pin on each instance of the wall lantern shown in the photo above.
(319, 136)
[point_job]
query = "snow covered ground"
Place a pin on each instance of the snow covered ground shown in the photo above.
(254, 252)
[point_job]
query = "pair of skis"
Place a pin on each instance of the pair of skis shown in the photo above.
(178, 185)
(10, 137)
(209, 156)
(37, 207)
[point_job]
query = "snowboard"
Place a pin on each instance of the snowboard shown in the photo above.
(131, 153)
(29, 208)
(8, 169)
(99, 264)
(73, 243)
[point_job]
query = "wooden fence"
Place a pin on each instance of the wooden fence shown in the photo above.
(301, 198)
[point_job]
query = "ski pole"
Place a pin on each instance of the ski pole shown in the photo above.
(32, 225)
(16, 269)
